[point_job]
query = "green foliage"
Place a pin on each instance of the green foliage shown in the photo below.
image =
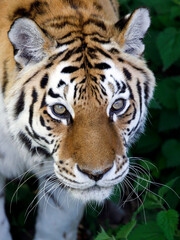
(168, 46)
(162, 226)
(168, 222)
(103, 235)
(124, 232)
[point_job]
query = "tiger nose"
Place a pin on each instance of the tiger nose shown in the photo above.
(94, 176)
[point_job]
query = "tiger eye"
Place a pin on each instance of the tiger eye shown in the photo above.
(117, 105)
(59, 109)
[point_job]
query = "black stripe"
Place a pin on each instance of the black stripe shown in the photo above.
(140, 100)
(28, 144)
(19, 107)
(100, 41)
(91, 52)
(103, 90)
(44, 81)
(25, 140)
(61, 83)
(49, 65)
(42, 121)
(123, 89)
(114, 51)
(78, 59)
(75, 91)
(43, 103)
(68, 55)
(118, 85)
(93, 78)
(52, 94)
(41, 151)
(131, 93)
(120, 59)
(72, 79)
(102, 66)
(67, 35)
(34, 100)
(62, 25)
(69, 69)
(103, 53)
(146, 91)
(134, 114)
(127, 73)
(140, 94)
(96, 22)
(65, 43)
(35, 136)
(102, 77)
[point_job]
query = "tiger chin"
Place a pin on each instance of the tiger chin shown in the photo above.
(74, 95)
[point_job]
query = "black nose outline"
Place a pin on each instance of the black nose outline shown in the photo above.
(95, 177)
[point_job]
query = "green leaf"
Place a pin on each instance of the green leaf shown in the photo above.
(168, 43)
(169, 120)
(171, 150)
(157, 5)
(148, 142)
(165, 93)
(102, 236)
(167, 187)
(154, 104)
(168, 222)
(178, 99)
(152, 202)
(149, 231)
(125, 230)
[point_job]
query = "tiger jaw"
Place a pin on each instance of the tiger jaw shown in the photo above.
(86, 189)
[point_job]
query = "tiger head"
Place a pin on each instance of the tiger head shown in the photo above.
(80, 96)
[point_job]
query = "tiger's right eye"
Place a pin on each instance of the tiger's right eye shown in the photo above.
(59, 110)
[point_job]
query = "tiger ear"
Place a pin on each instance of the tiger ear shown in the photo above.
(27, 40)
(132, 31)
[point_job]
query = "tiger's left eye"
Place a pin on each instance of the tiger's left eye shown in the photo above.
(118, 105)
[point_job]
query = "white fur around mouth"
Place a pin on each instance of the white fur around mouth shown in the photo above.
(95, 193)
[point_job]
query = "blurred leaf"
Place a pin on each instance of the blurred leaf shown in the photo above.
(169, 120)
(152, 54)
(165, 93)
(168, 43)
(171, 150)
(149, 231)
(157, 5)
(126, 229)
(168, 222)
(148, 142)
(167, 187)
(152, 202)
(178, 99)
(176, 79)
(154, 104)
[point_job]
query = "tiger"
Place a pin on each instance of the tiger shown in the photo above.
(75, 88)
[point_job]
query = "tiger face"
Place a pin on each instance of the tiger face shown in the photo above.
(81, 98)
